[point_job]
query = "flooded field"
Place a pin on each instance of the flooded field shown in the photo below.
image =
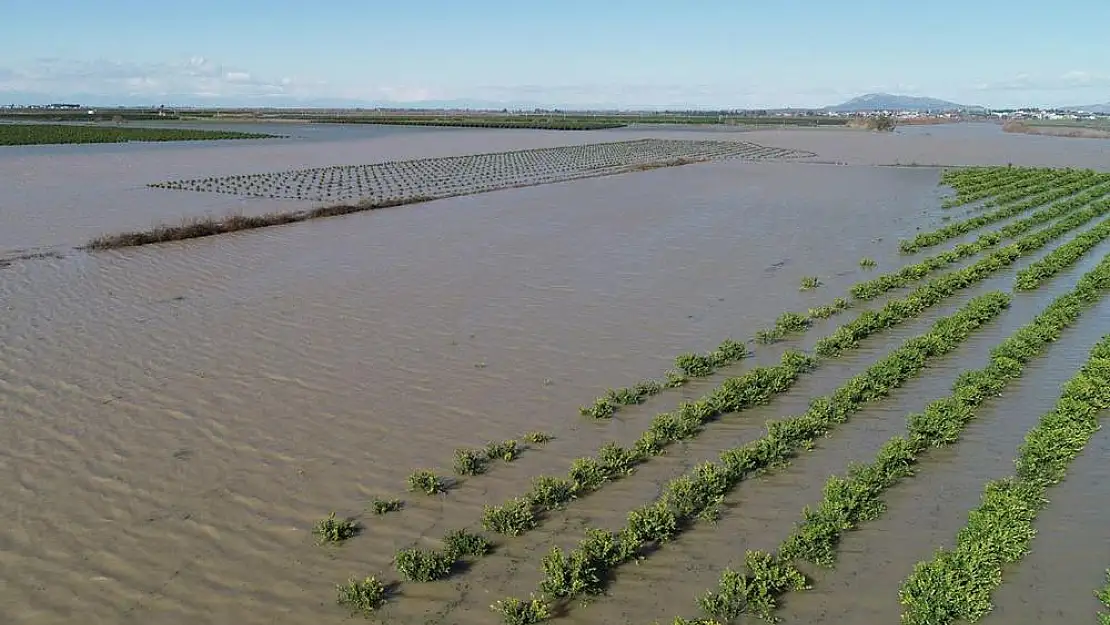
(175, 418)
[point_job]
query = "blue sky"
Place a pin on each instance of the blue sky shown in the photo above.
(697, 53)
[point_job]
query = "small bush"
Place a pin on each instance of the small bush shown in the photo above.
(755, 593)
(385, 506)
(538, 438)
(694, 365)
(513, 518)
(470, 462)
(602, 408)
(789, 322)
(333, 530)
(868, 263)
(423, 565)
(551, 492)
(515, 611)
(616, 460)
(461, 543)
(427, 482)
(362, 596)
(505, 450)
(810, 282)
(587, 474)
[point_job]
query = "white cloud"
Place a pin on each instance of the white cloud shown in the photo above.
(1068, 81)
(203, 80)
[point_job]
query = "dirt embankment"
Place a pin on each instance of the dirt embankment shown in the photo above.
(1056, 131)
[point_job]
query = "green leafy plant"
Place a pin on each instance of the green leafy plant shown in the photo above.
(334, 530)
(470, 461)
(513, 518)
(810, 282)
(515, 611)
(427, 482)
(1103, 595)
(461, 543)
(549, 493)
(363, 596)
(868, 263)
(694, 365)
(423, 565)
(538, 438)
(756, 592)
(385, 506)
(507, 450)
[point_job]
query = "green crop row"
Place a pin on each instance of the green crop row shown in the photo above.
(871, 289)
(1063, 177)
(1103, 595)
(1055, 192)
(1063, 256)
(587, 569)
(957, 583)
(969, 194)
(686, 366)
(962, 178)
(852, 500)
(969, 182)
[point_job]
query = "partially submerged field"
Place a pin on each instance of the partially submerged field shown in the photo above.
(46, 134)
(183, 419)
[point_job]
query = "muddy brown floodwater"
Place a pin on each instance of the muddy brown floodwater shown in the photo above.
(174, 418)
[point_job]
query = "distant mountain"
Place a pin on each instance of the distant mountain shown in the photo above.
(890, 102)
(1103, 109)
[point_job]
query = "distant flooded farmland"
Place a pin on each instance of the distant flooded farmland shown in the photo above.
(177, 421)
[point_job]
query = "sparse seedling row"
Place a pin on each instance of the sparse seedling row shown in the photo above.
(587, 569)
(686, 366)
(855, 499)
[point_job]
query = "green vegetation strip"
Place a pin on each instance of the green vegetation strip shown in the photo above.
(1056, 189)
(957, 583)
(39, 134)
(1015, 180)
(1103, 595)
(855, 499)
(871, 289)
(1064, 256)
(475, 121)
(587, 569)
